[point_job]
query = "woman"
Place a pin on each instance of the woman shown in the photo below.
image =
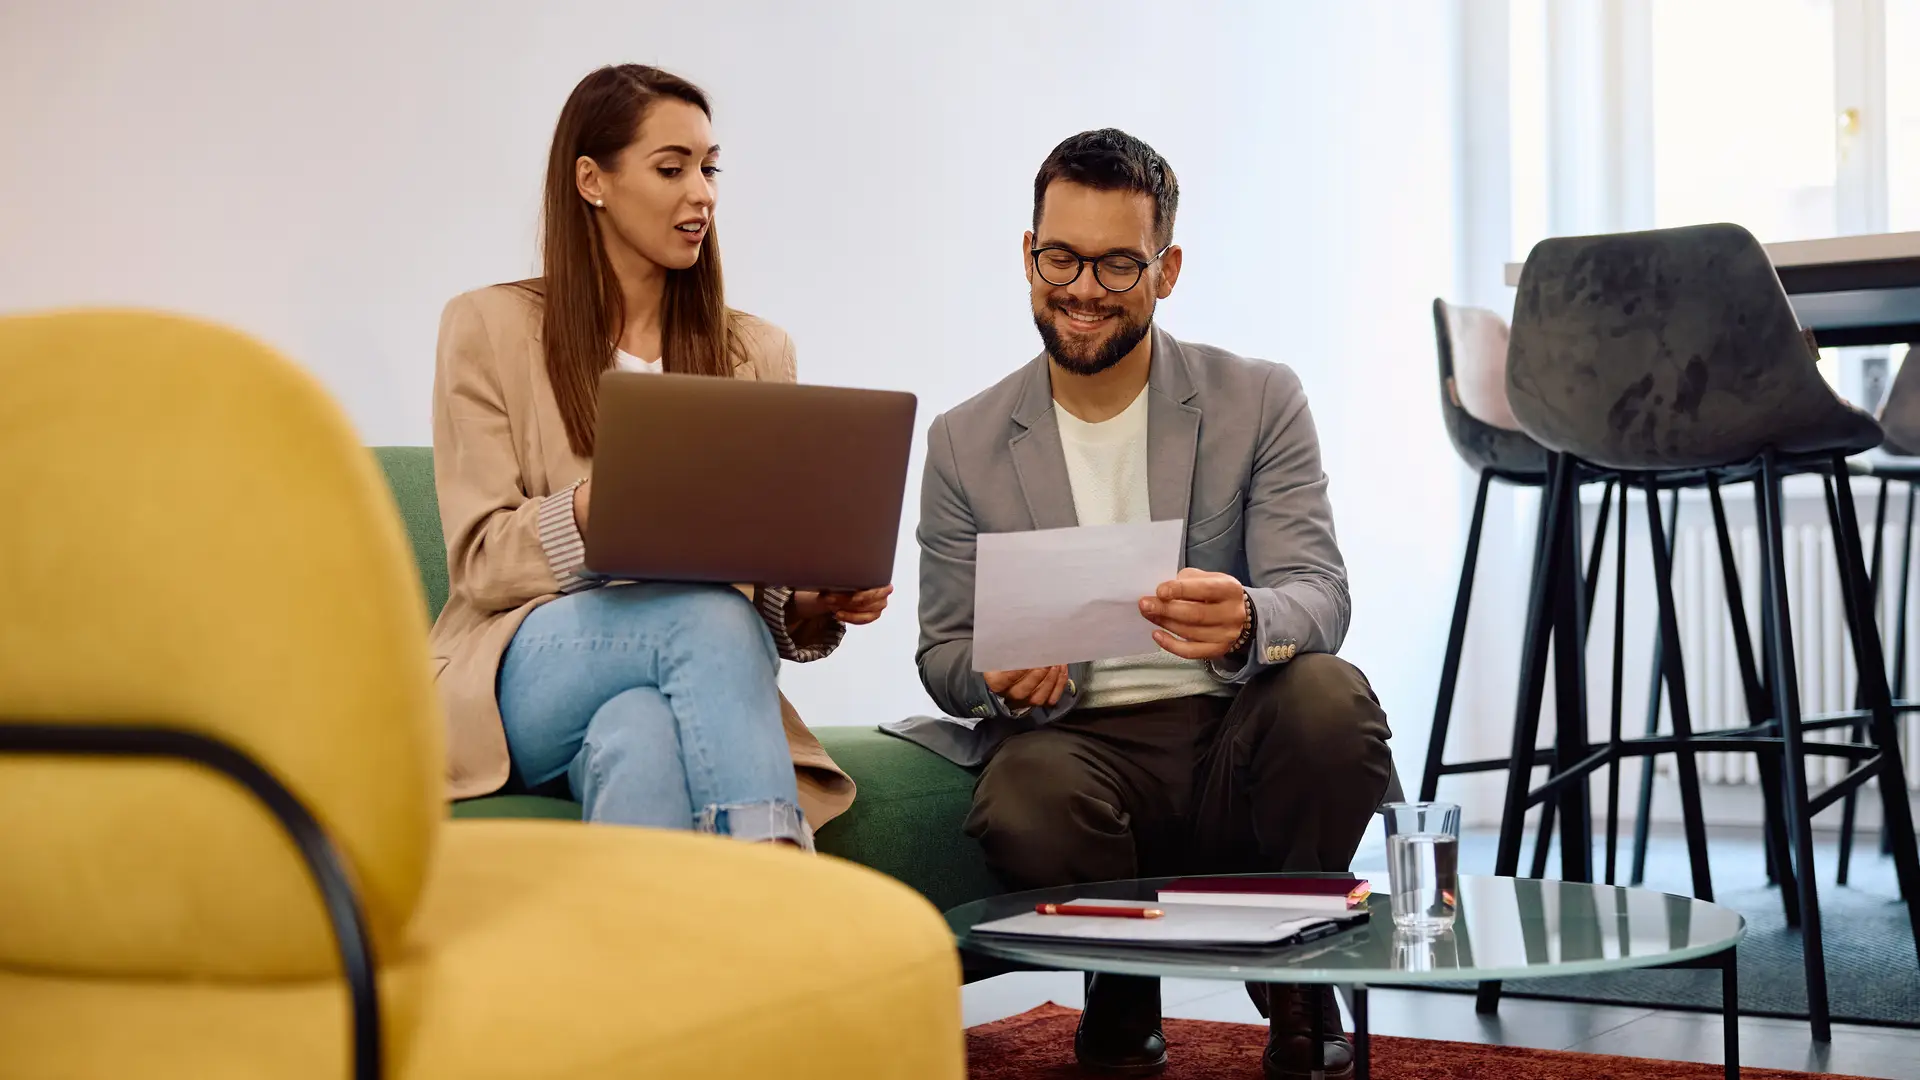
(657, 702)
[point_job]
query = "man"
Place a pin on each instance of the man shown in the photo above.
(1244, 744)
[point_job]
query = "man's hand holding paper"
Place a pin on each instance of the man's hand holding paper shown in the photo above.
(1201, 615)
(1063, 596)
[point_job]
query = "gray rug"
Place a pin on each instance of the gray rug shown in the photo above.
(1873, 975)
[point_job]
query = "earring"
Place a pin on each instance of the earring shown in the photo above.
(599, 202)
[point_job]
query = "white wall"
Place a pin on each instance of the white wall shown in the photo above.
(326, 176)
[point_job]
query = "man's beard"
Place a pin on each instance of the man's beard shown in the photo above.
(1082, 359)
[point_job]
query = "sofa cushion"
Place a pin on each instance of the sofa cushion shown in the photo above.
(542, 951)
(517, 806)
(906, 821)
(409, 472)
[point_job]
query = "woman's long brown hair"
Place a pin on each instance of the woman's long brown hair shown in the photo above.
(583, 308)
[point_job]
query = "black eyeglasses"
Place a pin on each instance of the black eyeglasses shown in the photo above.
(1060, 267)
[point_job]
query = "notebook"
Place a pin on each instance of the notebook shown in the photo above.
(1183, 926)
(1323, 895)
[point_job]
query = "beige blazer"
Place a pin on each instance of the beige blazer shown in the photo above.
(500, 447)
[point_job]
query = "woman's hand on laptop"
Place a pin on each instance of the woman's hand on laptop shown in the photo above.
(854, 609)
(580, 497)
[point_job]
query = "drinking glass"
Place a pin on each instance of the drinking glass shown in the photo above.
(1423, 863)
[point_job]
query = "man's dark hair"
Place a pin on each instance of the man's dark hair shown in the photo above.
(1112, 160)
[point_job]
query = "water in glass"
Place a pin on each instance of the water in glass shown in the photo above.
(1424, 868)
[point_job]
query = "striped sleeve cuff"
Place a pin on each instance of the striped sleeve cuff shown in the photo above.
(773, 611)
(560, 538)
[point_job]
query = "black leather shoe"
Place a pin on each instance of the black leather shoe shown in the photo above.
(1119, 1032)
(1289, 1053)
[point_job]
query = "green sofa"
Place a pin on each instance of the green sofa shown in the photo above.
(906, 820)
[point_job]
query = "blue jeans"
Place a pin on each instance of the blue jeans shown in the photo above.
(660, 703)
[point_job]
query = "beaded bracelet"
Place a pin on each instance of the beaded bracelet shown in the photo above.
(1246, 632)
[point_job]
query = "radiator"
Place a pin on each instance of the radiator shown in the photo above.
(1821, 645)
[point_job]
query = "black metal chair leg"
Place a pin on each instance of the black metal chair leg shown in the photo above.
(1456, 641)
(1759, 710)
(1537, 636)
(1900, 607)
(1857, 732)
(1318, 1030)
(1843, 861)
(1730, 1011)
(1592, 576)
(1675, 673)
(1900, 636)
(1643, 822)
(1532, 689)
(1616, 700)
(1878, 561)
(1866, 645)
(1785, 683)
(1362, 1036)
(1543, 836)
(1549, 814)
(1570, 703)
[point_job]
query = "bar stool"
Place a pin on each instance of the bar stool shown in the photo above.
(1897, 461)
(1670, 358)
(1472, 347)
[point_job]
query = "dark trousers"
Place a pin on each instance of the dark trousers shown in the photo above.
(1282, 777)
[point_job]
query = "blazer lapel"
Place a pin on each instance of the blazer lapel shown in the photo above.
(1173, 431)
(1037, 458)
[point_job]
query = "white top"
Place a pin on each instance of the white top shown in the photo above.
(1107, 466)
(626, 361)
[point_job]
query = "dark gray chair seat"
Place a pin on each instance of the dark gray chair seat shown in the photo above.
(1670, 349)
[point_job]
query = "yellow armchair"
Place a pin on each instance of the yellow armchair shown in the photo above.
(224, 850)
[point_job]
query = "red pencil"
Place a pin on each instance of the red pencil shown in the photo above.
(1105, 910)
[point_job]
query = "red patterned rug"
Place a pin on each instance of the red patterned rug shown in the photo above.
(1038, 1045)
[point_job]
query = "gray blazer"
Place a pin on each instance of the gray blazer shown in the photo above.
(1231, 450)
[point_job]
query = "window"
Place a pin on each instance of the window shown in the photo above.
(1527, 124)
(1766, 113)
(1903, 115)
(1743, 115)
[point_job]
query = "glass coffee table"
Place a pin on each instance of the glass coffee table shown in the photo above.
(1507, 928)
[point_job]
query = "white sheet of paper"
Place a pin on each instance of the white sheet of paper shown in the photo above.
(1063, 596)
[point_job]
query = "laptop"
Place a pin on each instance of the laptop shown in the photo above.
(697, 478)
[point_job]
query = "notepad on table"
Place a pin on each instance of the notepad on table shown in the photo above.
(1183, 925)
(1335, 894)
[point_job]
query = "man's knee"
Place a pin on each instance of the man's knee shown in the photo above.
(1033, 806)
(1319, 709)
(1023, 790)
